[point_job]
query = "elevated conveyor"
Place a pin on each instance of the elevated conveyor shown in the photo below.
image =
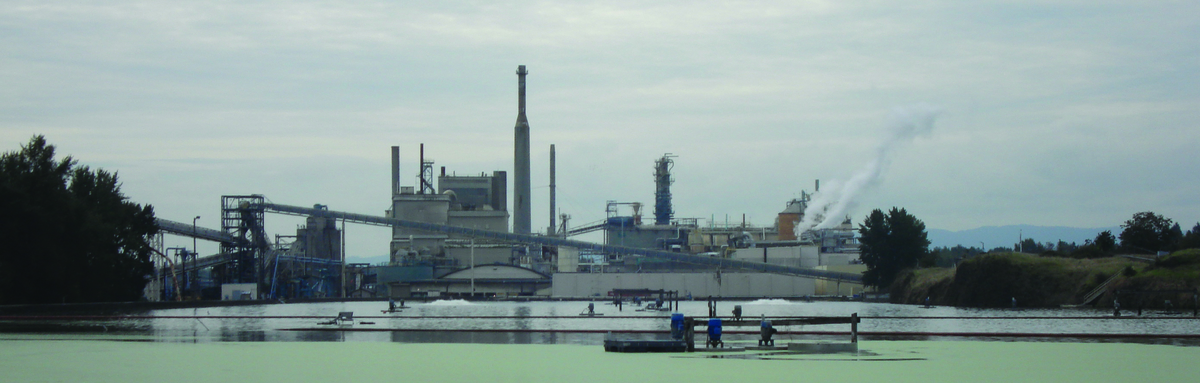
(187, 230)
(560, 242)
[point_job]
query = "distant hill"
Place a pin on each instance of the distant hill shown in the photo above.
(1006, 236)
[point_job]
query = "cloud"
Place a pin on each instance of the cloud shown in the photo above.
(1058, 113)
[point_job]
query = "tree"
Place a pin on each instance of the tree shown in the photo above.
(1105, 241)
(1028, 245)
(949, 256)
(1172, 237)
(891, 243)
(1147, 232)
(1191, 240)
(69, 234)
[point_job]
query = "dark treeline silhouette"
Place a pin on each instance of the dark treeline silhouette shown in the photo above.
(68, 233)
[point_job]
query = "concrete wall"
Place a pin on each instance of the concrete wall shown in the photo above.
(493, 220)
(837, 259)
(698, 284)
(494, 272)
(844, 288)
(483, 255)
(430, 208)
(795, 256)
(568, 259)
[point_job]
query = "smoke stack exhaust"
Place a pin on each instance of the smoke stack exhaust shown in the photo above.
(521, 206)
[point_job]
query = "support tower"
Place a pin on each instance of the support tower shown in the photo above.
(662, 190)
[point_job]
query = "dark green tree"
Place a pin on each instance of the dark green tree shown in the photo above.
(891, 243)
(1029, 245)
(1106, 241)
(1191, 240)
(69, 234)
(1172, 237)
(949, 256)
(1147, 232)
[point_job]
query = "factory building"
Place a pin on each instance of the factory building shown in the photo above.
(422, 262)
(319, 238)
(429, 264)
(827, 249)
(475, 201)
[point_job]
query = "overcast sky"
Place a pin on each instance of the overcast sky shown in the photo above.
(1057, 113)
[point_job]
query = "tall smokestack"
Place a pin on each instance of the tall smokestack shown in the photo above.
(552, 227)
(395, 171)
(521, 207)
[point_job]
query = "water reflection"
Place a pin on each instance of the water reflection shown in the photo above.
(522, 313)
(553, 322)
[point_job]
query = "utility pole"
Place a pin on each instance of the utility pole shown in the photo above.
(472, 267)
(343, 257)
(195, 251)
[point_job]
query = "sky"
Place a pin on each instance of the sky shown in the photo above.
(1056, 113)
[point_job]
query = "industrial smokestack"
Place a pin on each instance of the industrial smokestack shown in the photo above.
(552, 227)
(817, 187)
(395, 171)
(521, 207)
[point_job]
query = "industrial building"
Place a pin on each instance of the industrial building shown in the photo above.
(451, 237)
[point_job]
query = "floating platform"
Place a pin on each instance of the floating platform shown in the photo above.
(612, 345)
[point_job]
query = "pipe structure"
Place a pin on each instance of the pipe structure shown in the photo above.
(190, 230)
(724, 263)
(521, 207)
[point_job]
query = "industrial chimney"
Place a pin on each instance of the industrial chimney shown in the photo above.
(521, 206)
(395, 171)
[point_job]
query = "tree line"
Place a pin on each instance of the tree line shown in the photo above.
(69, 235)
(892, 242)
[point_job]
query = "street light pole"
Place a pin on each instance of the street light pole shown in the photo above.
(473, 268)
(194, 250)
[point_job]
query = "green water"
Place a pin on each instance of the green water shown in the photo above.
(72, 359)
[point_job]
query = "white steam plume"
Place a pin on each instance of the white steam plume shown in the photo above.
(829, 206)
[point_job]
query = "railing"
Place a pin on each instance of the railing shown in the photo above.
(1099, 290)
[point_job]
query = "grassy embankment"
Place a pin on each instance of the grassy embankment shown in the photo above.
(993, 280)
